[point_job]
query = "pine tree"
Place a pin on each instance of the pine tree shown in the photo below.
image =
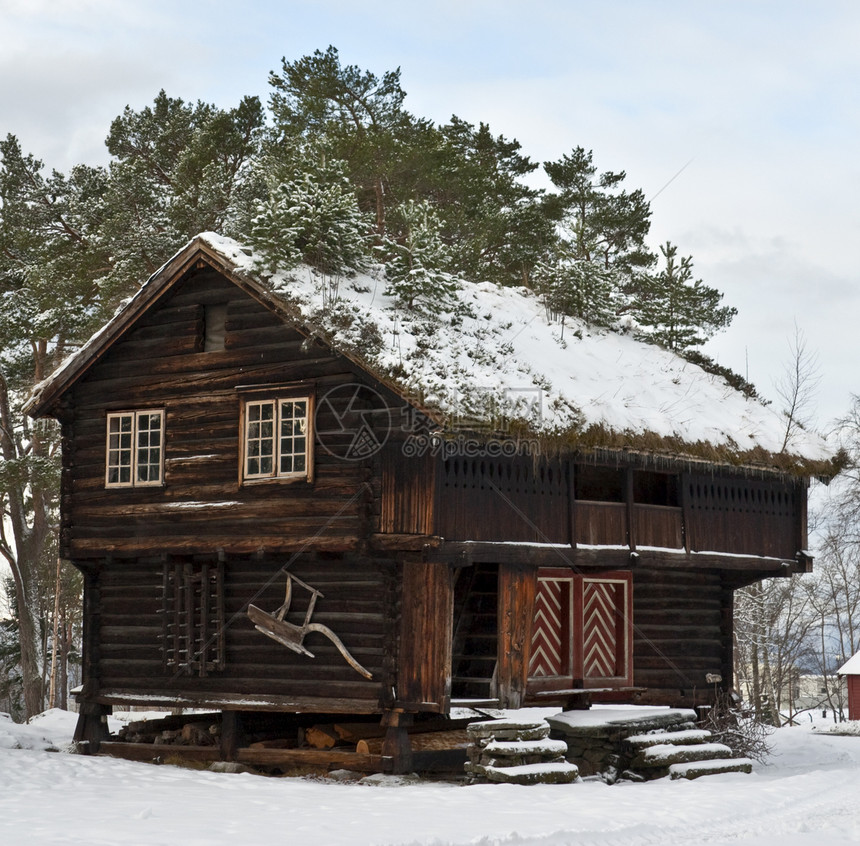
(49, 258)
(582, 289)
(312, 218)
(496, 225)
(600, 223)
(417, 264)
(358, 114)
(177, 169)
(600, 220)
(676, 310)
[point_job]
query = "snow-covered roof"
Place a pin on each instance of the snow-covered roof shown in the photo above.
(495, 349)
(851, 667)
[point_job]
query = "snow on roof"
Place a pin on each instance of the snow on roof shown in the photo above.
(851, 667)
(496, 350)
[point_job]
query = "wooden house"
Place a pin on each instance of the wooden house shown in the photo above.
(276, 510)
(850, 671)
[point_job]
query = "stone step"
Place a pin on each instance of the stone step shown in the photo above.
(677, 738)
(667, 754)
(696, 769)
(514, 748)
(555, 773)
(486, 730)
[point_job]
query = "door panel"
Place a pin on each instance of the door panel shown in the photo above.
(582, 631)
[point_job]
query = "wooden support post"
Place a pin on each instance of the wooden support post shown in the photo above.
(727, 662)
(396, 743)
(92, 728)
(232, 734)
(686, 510)
(579, 701)
(631, 509)
(571, 504)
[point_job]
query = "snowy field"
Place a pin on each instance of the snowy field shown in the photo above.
(809, 793)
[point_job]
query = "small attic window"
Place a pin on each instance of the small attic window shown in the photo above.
(214, 326)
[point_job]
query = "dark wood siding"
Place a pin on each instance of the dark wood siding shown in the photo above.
(426, 618)
(658, 525)
(677, 634)
(516, 499)
(356, 606)
(744, 516)
(408, 491)
(601, 523)
(202, 503)
(517, 588)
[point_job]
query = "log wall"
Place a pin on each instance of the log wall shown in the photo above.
(678, 635)
(159, 364)
(356, 605)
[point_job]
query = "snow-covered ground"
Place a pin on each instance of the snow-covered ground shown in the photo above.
(806, 794)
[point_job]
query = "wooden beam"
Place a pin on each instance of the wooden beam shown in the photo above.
(247, 702)
(151, 751)
(322, 758)
(404, 543)
(473, 552)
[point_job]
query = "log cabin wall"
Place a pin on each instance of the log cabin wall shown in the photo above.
(193, 355)
(204, 526)
(160, 363)
(137, 656)
(679, 635)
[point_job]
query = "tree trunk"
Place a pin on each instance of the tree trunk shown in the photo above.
(28, 636)
(27, 545)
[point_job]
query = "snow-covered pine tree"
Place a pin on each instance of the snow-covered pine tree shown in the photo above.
(312, 217)
(48, 300)
(417, 262)
(676, 310)
(578, 288)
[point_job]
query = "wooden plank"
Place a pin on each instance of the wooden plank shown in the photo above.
(236, 701)
(150, 751)
(517, 587)
(323, 758)
(424, 674)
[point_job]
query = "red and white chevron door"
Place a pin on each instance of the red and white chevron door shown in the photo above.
(551, 647)
(582, 631)
(604, 647)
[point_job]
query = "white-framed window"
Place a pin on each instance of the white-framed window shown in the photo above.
(135, 448)
(277, 441)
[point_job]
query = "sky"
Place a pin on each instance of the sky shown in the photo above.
(737, 119)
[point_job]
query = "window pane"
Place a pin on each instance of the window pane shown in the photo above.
(119, 448)
(148, 447)
(293, 444)
(260, 439)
